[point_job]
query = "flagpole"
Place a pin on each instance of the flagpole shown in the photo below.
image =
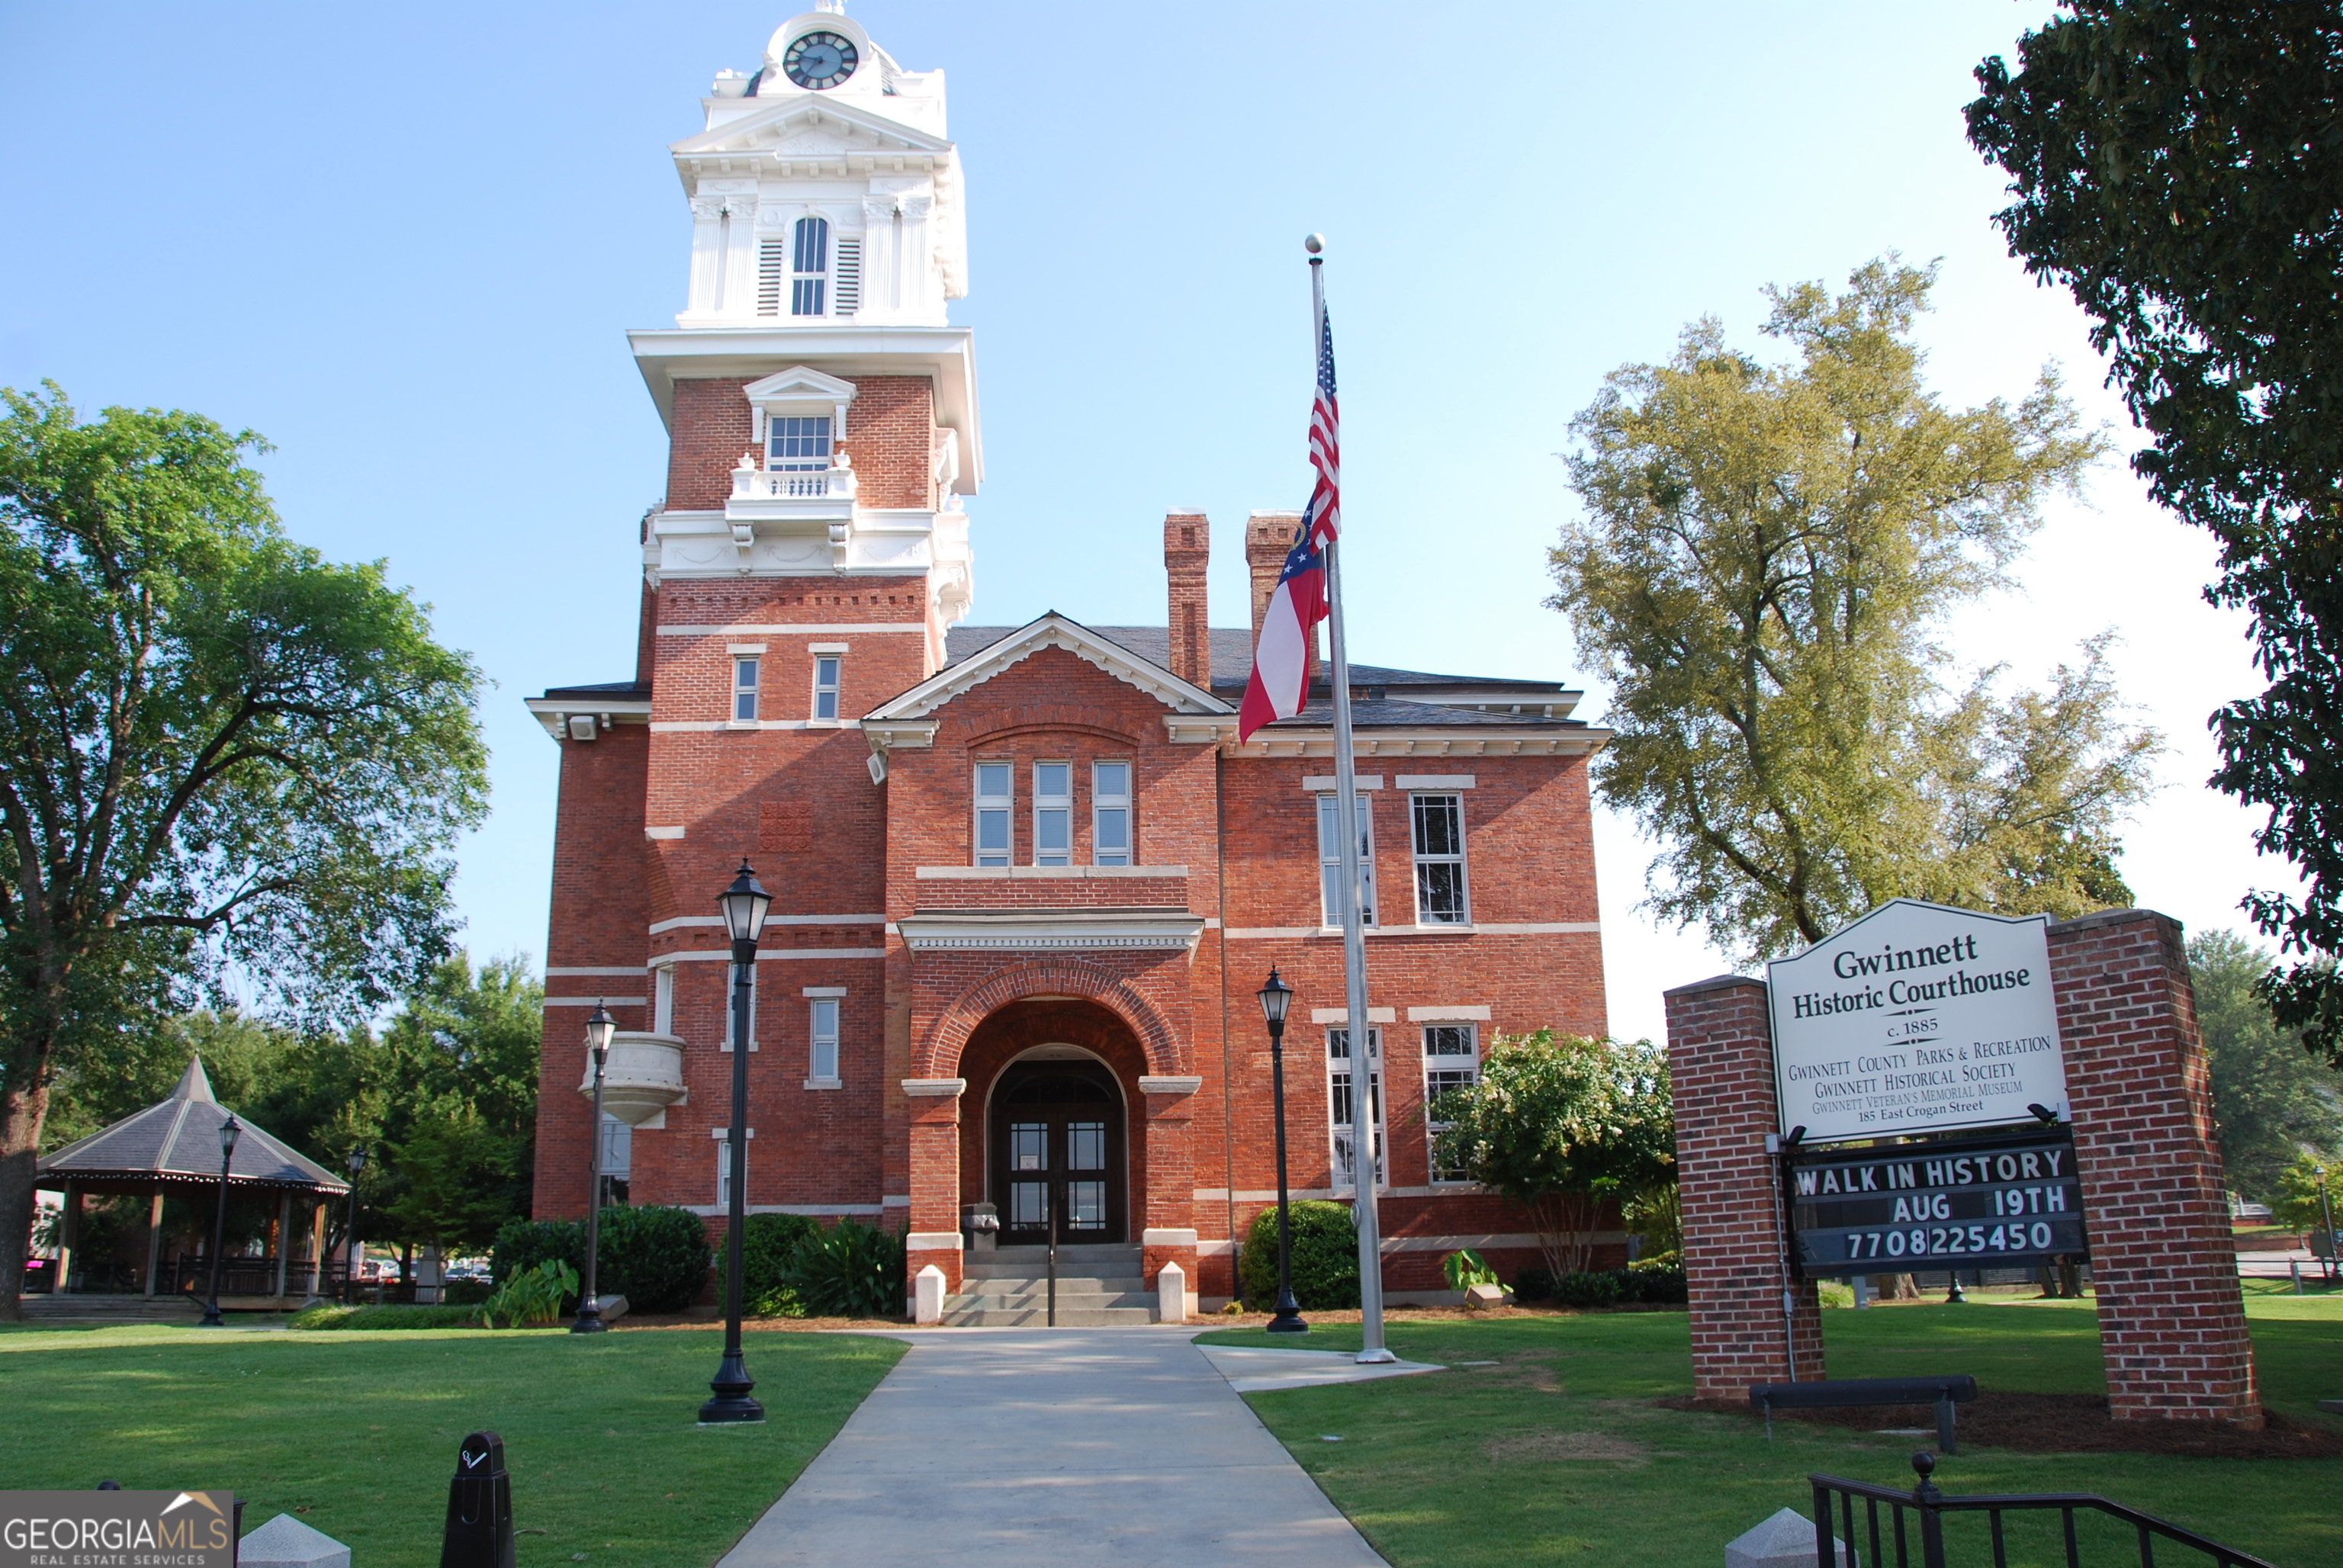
(1365, 1097)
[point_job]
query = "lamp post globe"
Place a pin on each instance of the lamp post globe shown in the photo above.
(351, 1230)
(227, 1134)
(1276, 997)
(599, 1027)
(743, 904)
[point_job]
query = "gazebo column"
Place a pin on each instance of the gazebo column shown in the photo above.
(283, 1238)
(154, 1238)
(316, 1248)
(68, 1237)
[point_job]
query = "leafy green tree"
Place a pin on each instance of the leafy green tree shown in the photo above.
(2306, 1193)
(217, 751)
(2274, 1099)
(2178, 168)
(1562, 1126)
(1764, 561)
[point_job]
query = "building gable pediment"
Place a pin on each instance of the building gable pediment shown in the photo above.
(1052, 631)
(827, 126)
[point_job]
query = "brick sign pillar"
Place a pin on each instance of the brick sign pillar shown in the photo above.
(1721, 1058)
(1169, 1235)
(2172, 1318)
(935, 1238)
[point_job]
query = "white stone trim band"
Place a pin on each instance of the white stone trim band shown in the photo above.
(593, 1001)
(935, 1089)
(1342, 1015)
(932, 1241)
(1435, 781)
(1166, 1237)
(1170, 1086)
(1317, 786)
(1440, 1014)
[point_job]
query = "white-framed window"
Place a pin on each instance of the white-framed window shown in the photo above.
(825, 685)
(744, 687)
(810, 266)
(797, 442)
(727, 1008)
(1111, 813)
(993, 846)
(1451, 1060)
(663, 1000)
(1053, 813)
(1437, 822)
(723, 1172)
(1342, 1105)
(1330, 860)
(822, 1031)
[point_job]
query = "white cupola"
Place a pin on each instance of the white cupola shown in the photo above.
(823, 191)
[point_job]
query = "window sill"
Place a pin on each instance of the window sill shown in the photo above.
(1436, 931)
(823, 1083)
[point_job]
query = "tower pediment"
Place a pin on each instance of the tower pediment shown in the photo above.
(809, 126)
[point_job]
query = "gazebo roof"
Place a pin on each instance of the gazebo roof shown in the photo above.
(178, 1140)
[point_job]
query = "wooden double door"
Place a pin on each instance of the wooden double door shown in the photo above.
(1058, 1149)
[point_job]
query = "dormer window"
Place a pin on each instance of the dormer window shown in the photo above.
(809, 268)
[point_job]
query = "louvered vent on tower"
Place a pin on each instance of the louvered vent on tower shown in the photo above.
(848, 296)
(772, 272)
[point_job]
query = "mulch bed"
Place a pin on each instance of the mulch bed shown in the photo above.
(2065, 1423)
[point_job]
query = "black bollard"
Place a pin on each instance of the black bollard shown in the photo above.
(480, 1507)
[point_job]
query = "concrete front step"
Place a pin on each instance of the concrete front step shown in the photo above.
(1039, 1317)
(1033, 1262)
(1021, 1301)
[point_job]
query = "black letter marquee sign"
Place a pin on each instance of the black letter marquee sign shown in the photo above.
(1915, 1021)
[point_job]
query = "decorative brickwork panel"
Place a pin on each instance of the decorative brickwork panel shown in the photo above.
(1721, 1058)
(889, 430)
(2171, 1319)
(785, 826)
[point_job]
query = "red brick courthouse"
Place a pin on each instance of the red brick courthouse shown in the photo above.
(1026, 879)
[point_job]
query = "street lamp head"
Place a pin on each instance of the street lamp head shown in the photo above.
(744, 904)
(599, 1027)
(357, 1159)
(1275, 997)
(228, 1131)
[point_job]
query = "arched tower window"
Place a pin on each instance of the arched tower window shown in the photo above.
(810, 266)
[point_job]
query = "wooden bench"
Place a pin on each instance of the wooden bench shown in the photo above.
(1943, 1392)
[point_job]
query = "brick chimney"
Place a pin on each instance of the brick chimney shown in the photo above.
(1267, 537)
(1187, 546)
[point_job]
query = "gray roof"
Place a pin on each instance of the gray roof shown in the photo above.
(178, 1141)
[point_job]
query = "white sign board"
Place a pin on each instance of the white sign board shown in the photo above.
(1916, 1019)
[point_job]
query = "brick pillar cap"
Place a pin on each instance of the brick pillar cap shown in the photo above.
(2113, 918)
(1714, 983)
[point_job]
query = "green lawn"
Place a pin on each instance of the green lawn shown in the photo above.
(1556, 1453)
(608, 1464)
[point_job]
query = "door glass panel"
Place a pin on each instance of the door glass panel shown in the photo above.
(1029, 1146)
(1086, 1146)
(1028, 1204)
(1085, 1205)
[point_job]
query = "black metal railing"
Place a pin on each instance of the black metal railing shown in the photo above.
(1837, 1497)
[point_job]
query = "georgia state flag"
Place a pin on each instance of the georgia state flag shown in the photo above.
(1281, 662)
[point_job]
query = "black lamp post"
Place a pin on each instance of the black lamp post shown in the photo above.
(744, 904)
(350, 1233)
(1275, 997)
(228, 1130)
(599, 1027)
(2326, 1219)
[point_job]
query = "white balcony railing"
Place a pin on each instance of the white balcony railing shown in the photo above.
(643, 1078)
(752, 482)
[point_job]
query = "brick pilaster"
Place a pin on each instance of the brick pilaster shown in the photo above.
(2171, 1316)
(935, 1184)
(1721, 1058)
(1170, 1208)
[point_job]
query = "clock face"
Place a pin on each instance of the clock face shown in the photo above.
(820, 60)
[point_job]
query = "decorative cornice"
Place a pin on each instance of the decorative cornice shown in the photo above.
(1052, 930)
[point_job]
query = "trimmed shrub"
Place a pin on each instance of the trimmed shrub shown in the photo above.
(848, 1270)
(1325, 1258)
(1534, 1285)
(1657, 1287)
(658, 1257)
(766, 1245)
(1587, 1290)
(465, 1293)
(386, 1317)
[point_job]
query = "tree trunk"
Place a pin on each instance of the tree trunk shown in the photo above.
(22, 1112)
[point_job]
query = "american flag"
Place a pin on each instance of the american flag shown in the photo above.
(1281, 662)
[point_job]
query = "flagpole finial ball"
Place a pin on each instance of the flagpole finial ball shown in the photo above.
(1315, 244)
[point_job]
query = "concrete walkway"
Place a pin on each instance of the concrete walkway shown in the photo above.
(1039, 1447)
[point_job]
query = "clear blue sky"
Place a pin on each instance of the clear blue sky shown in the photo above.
(405, 244)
